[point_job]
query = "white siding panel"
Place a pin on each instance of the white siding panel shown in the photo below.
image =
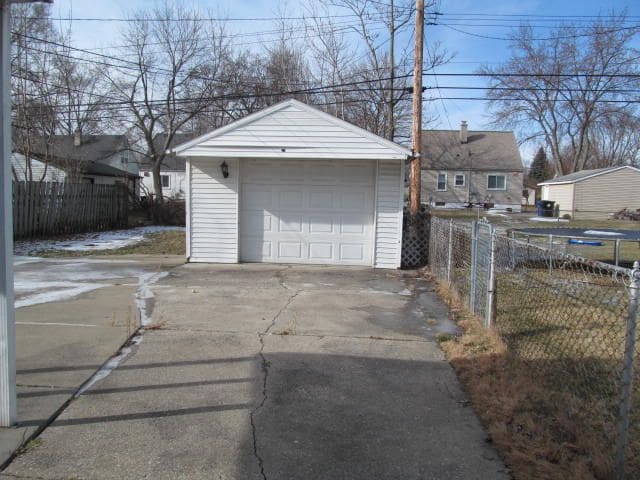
(389, 201)
(293, 132)
(213, 211)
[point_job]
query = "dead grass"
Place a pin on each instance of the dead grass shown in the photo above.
(158, 324)
(539, 431)
(160, 243)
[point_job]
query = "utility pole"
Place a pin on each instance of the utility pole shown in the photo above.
(7, 323)
(7, 327)
(391, 130)
(417, 111)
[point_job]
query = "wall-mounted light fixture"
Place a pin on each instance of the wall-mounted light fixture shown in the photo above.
(225, 169)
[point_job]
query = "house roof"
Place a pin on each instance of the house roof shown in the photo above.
(92, 148)
(171, 162)
(292, 129)
(484, 150)
(60, 149)
(584, 174)
(95, 168)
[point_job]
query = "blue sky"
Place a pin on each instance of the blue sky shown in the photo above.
(471, 49)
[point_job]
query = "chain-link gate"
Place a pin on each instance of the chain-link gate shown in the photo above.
(480, 280)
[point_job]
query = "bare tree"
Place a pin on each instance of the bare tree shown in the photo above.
(34, 94)
(330, 51)
(564, 88)
(377, 71)
(83, 95)
(615, 140)
(172, 80)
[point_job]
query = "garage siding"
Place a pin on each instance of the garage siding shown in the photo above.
(601, 195)
(562, 194)
(389, 202)
(213, 211)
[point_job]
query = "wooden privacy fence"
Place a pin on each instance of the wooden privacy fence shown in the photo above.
(43, 208)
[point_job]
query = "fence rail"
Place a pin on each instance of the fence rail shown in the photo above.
(43, 208)
(571, 320)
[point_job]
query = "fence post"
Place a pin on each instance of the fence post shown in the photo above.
(474, 269)
(491, 284)
(627, 372)
(512, 250)
(450, 254)
(550, 255)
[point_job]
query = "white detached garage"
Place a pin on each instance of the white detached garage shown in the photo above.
(292, 184)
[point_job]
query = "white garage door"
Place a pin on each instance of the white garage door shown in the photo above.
(313, 211)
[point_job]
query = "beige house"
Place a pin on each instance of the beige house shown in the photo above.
(594, 193)
(470, 167)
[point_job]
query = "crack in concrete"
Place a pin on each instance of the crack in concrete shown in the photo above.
(355, 337)
(265, 370)
(48, 387)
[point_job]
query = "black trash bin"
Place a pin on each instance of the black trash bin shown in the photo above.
(547, 208)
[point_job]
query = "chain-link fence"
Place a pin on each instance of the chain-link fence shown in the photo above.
(571, 320)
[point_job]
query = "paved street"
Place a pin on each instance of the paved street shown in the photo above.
(273, 372)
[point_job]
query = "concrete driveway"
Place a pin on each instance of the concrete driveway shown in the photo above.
(72, 315)
(276, 372)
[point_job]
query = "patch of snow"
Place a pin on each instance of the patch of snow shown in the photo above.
(21, 260)
(91, 242)
(58, 291)
(109, 366)
(145, 294)
(53, 280)
(548, 219)
(405, 293)
(497, 212)
(600, 232)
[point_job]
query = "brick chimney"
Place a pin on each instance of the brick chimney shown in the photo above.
(464, 132)
(77, 137)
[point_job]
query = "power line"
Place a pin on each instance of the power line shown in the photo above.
(560, 37)
(184, 19)
(485, 99)
(532, 15)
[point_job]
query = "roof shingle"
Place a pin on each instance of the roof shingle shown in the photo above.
(484, 150)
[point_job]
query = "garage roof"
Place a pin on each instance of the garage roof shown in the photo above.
(584, 174)
(292, 129)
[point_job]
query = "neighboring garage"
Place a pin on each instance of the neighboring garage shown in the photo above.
(593, 194)
(291, 184)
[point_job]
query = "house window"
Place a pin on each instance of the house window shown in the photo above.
(166, 181)
(441, 183)
(459, 180)
(496, 182)
(147, 174)
(124, 157)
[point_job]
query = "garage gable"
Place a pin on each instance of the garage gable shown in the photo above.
(292, 129)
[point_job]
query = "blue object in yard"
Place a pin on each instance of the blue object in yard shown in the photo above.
(539, 208)
(591, 243)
